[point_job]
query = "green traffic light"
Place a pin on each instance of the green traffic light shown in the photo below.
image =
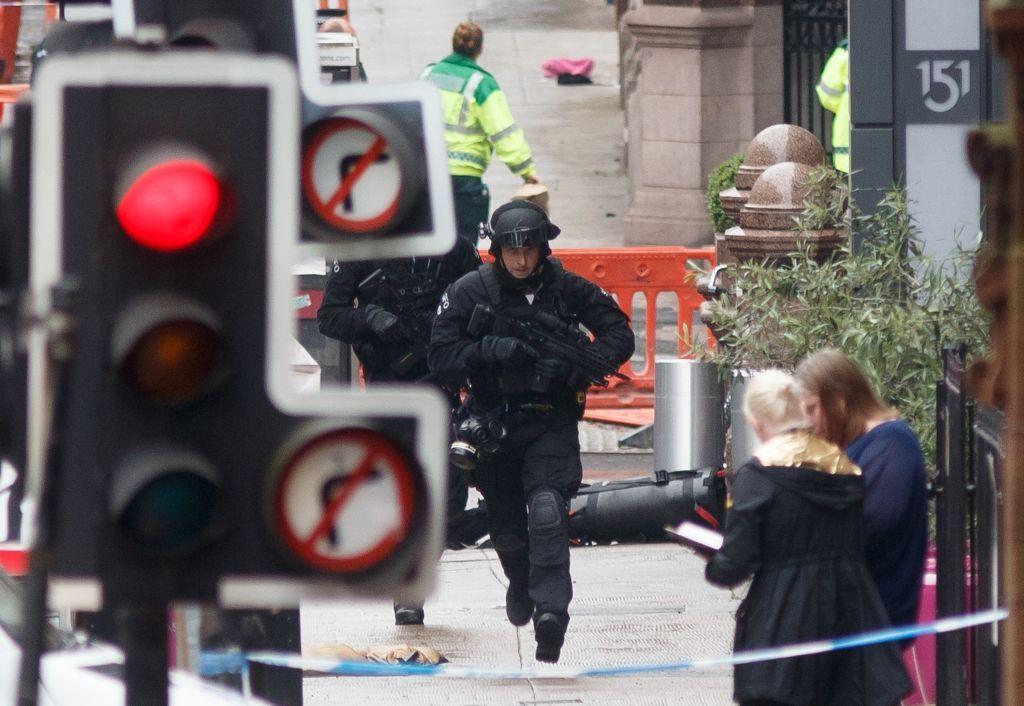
(172, 513)
(166, 499)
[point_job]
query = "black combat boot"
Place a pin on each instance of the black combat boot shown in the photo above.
(408, 614)
(550, 634)
(518, 605)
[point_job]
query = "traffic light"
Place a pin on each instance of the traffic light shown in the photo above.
(167, 187)
(262, 26)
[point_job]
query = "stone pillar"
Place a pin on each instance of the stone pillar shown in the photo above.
(697, 96)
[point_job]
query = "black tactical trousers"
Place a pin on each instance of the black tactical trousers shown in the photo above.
(472, 206)
(527, 488)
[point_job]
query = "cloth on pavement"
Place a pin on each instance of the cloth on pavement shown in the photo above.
(389, 654)
(573, 67)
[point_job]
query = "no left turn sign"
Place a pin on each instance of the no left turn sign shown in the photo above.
(346, 501)
(356, 175)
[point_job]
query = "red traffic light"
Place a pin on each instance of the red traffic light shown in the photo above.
(173, 204)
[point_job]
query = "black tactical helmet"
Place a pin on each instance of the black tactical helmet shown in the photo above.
(519, 223)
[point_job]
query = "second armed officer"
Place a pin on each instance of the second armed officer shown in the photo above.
(385, 309)
(519, 424)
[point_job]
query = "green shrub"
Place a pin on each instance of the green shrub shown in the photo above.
(827, 201)
(886, 306)
(723, 177)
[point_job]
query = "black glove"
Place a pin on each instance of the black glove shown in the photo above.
(385, 325)
(553, 369)
(505, 350)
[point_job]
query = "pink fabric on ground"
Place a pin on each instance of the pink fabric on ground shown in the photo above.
(576, 67)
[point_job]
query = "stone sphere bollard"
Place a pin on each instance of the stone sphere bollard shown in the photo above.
(775, 144)
(768, 228)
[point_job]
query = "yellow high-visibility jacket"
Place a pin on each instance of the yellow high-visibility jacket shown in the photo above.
(477, 120)
(834, 93)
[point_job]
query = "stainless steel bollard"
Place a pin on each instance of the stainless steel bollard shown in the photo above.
(744, 441)
(688, 417)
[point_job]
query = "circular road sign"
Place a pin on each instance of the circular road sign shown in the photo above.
(346, 500)
(358, 173)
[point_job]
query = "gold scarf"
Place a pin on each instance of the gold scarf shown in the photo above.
(802, 449)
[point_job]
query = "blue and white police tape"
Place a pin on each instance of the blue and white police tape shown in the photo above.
(214, 663)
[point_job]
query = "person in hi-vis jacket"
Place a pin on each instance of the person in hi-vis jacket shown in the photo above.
(833, 91)
(478, 122)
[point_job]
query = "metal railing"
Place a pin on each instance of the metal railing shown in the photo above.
(969, 460)
(811, 29)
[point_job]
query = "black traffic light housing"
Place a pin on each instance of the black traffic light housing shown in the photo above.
(167, 184)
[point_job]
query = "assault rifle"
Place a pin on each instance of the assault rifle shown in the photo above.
(552, 338)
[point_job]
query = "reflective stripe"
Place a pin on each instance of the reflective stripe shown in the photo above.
(446, 82)
(521, 166)
(467, 157)
(829, 91)
(467, 95)
(472, 84)
(465, 130)
(840, 150)
(504, 133)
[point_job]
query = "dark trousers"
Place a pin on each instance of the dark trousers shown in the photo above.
(465, 527)
(472, 206)
(527, 488)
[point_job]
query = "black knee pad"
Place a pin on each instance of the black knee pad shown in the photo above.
(546, 510)
(548, 523)
(508, 543)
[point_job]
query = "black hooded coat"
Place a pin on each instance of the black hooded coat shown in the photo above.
(795, 524)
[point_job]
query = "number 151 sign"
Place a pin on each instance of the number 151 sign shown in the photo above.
(941, 86)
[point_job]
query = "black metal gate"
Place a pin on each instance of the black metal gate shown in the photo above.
(811, 29)
(953, 517)
(969, 460)
(986, 569)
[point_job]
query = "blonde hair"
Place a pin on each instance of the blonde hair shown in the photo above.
(773, 399)
(468, 39)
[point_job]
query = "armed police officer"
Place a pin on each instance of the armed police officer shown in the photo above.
(512, 331)
(384, 309)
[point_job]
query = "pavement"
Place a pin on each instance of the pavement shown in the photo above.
(576, 132)
(634, 604)
(640, 603)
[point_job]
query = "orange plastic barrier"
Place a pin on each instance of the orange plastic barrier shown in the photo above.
(10, 93)
(10, 25)
(624, 273)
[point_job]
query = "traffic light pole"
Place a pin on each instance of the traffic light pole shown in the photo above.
(59, 326)
(143, 633)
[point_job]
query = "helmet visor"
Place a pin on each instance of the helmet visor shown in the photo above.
(521, 237)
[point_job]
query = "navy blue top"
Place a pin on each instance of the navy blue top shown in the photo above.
(895, 514)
